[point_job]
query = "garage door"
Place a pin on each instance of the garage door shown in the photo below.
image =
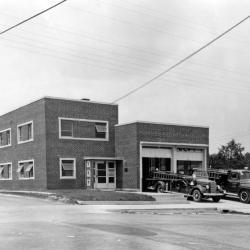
(157, 152)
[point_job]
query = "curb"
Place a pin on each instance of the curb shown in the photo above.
(231, 211)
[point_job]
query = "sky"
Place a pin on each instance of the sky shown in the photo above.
(102, 49)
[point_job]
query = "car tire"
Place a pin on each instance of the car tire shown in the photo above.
(244, 196)
(160, 188)
(216, 199)
(196, 195)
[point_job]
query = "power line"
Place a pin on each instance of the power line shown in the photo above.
(184, 80)
(140, 50)
(26, 20)
(163, 19)
(184, 77)
(180, 62)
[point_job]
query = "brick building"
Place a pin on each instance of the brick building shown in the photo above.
(62, 143)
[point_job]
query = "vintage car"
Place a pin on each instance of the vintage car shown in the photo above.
(235, 182)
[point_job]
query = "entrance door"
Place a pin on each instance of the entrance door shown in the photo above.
(105, 175)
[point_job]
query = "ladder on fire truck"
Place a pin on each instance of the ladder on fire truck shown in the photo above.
(217, 174)
(165, 176)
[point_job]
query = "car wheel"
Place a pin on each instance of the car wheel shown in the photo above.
(244, 196)
(160, 188)
(196, 195)
(216, 199)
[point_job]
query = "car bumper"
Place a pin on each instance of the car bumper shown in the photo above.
(213, 195)
(208, 195)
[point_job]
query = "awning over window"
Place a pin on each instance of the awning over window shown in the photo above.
(1, 169)
(67, 166)
(101, 128)
(30, 166)
(20, 168)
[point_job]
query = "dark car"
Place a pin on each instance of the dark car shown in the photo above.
(235, 182)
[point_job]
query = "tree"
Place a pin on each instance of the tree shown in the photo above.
(229, 157)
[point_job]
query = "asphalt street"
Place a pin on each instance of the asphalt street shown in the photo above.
(30, 223)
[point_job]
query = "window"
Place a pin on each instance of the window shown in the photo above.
(5, 138)
(25, 169)
(189, 150)
(82, 129)
(25, 132)
(234, 176)
(186, 167)
(67, 168)
(245, 175)
(5, 171)
(101, 130)
(67, 128)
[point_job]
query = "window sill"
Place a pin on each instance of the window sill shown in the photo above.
(5, 146)
(22, 142)
(83, 139)
(33, 178)
(67, 178)
(5, 179)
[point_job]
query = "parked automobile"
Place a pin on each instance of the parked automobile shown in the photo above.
(234, 182)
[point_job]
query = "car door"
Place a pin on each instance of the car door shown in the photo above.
(233, 183)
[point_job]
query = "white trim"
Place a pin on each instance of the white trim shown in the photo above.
(148, 143)
(32, 132)
(10, 178)
(102, 158)
(205, 160)
(107, 184)
(7, 129)
(76, 100)
(25, 178)
(74, 169)
(161, 123)
(83, 120)
(140, 177)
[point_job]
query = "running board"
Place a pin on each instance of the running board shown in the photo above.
(231, 194)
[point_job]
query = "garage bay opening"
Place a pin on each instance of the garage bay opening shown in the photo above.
(150, 165)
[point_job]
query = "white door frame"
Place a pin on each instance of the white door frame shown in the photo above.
(107, 184)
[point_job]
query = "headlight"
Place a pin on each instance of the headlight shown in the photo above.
(207, 187)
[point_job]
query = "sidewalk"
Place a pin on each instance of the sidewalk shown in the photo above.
(171, 201)
(224, 206)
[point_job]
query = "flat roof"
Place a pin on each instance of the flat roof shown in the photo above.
(161, 123)
(58, 98)
(78, 100)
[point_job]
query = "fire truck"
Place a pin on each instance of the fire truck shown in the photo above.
(197, 186)
(235, 182)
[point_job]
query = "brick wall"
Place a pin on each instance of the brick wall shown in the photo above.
(127, 147)
(26, 151)
(69, 148)
(172, 133)
(128, 138)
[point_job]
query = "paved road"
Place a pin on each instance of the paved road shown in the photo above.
(29, 223)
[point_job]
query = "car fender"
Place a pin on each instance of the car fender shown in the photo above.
(199, 187)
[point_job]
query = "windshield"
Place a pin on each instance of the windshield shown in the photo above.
(200, 174)
(245, 175)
